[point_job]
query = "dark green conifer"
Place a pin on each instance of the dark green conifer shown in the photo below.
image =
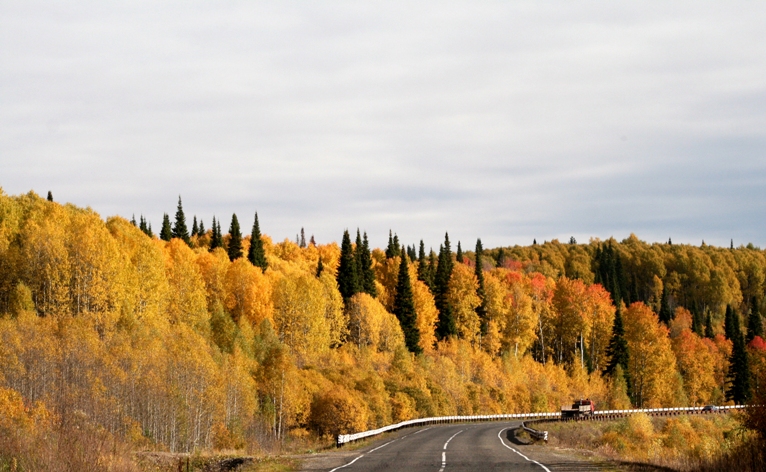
(235, 239)
(730, 325)
(216, 238)
(365, 273)
(50, 196)
(390, 247)
(179, 228)
(481, 310)
(572, 240)
(348, 280)
(534, 242)
(195, 228)
(422, 264)
(617, 351)
(665, 314)
(404, 307)
(754, 322)
(459, 255)
(166, 233)
(698, 324)
(445, 326)
(397, 246)
(320, 267)
(500, 257)
(256, 255)
(412, 254)
(302, 243)
(133, 220)
(201, 229)
(142, 225)
(431, 274)
(738, 377)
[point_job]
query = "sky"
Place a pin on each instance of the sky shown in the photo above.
(504, 121)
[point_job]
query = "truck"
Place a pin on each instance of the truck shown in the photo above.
(580, 409)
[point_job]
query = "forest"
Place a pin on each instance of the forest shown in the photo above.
(195, 339)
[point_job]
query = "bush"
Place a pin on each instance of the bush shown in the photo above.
(337, 412)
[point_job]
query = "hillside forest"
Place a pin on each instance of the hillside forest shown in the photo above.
(195, 339)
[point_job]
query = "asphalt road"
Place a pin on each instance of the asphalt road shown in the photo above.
(443, 448)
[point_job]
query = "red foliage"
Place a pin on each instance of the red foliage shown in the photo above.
(757, 344)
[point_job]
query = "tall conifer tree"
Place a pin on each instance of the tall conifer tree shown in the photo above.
(256, 255)
(216, 239)
(709, 326)
(738, 377)
(665, 314)
(320, 267)
(133, 220)
(390, 247)
(481, 310)
(366, 274)
(404, 307)
(179, 228)
(500, 257)
(445, 326)
(422, 263)
(459, 256)
(201, 230)
(195, 228)
(235, 239)
(617, 351)
(50, 196)
(166, 234)
(754, 322)
(348, 280)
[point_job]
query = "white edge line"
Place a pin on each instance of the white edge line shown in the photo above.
(346, 465)
(517, 452)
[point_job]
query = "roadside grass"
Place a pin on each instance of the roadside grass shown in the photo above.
(682, 443)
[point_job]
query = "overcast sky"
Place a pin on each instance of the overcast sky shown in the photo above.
(502, 120)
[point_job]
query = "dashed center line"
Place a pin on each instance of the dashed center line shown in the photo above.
(368, 452)
(444, 453)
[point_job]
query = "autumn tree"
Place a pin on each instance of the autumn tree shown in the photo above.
(617, 352)
(256, 254)
(462, 300)
(235, 239)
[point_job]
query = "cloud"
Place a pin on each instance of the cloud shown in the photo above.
(492, 120)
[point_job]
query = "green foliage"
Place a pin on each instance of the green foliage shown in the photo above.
(179, 228)
(404, 307)
(363, 257)
(446, 325)
(617, 352)
(348, 279)
(235, 239)
(166, 234)
(216, 239)
(481, 310)
(255, 254)
(754, 322)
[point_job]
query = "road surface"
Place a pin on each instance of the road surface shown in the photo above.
(449, 448)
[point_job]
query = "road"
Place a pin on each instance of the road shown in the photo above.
(448, 448)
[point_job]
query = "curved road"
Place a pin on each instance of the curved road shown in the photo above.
(444, 448)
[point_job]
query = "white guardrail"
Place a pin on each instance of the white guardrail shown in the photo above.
(347, 438)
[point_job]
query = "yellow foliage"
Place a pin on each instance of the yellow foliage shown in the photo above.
(464, 300)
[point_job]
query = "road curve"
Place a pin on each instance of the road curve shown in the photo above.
(444, 448)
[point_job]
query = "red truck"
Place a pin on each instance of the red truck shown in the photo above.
(580, 409)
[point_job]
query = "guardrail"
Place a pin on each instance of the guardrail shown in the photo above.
(554, 416)
(537, 434)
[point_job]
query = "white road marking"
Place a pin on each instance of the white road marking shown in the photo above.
(444, 454)
(368, 452)
(517, 452)
(420, 431)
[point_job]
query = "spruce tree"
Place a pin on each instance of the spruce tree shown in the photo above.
(665, 314)
(149, 231)
(366, 275)
(709, 326)
(730, 325)
(404, 307)
(617, 351)
(481, 310)
(166, 233)
(412, 253)
(459, 255)
(754, 322)
(397, 246)
(50, 196)
(179, 228)
(358, 258)
(195, 228)
(348, 281)
(445, 326)
(500, 257)
(303, 238)
(422, 264)
(320, 267)
(216, 239)
(431, 274)
(534, 242)
(133, 220)
(142, 225)
(235, 239)
(201, 229)
(256, 255)
(698, 324)
(390, 247)
(738, 377)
